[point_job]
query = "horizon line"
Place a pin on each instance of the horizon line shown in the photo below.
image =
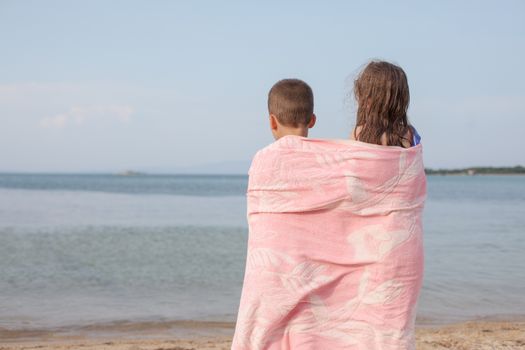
(132, 173)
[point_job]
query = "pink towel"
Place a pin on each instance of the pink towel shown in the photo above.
(335, 253)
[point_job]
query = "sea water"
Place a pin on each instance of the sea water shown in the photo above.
(81, 250)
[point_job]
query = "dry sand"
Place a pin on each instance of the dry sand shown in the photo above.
(473, 335)
(478, 335)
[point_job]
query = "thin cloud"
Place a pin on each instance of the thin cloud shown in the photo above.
(78, 115)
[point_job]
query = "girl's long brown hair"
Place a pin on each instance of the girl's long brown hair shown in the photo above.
(382, 95)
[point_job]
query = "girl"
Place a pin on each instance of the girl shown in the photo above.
(382, 94)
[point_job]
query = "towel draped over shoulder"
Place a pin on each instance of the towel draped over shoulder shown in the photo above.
(335, 253)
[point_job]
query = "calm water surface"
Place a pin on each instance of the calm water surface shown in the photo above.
(94, 249)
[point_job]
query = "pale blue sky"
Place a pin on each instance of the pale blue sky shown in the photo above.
(110, 85)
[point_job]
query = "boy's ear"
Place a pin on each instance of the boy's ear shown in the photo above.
(312, 121)
(273, 122)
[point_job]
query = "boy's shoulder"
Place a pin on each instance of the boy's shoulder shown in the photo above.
(267, 154)
(284, 143)
(261, 154)
(275, 151)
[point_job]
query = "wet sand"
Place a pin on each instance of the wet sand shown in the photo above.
(475, 335)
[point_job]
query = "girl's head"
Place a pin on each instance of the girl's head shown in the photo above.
(382, 95)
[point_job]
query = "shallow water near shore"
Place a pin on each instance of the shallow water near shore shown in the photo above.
(80, 252)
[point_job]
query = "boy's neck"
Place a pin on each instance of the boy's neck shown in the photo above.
(284, 131)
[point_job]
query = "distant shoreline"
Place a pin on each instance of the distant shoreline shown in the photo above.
(517, 170)
(465, 174)
(468, 171)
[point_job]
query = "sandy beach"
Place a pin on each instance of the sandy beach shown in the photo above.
(475, 335)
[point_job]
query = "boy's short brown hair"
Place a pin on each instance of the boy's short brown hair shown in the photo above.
(291, 101)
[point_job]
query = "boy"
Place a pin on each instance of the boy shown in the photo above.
(291, 108)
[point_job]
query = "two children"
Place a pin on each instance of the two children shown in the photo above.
(318, 220)
(382, 94)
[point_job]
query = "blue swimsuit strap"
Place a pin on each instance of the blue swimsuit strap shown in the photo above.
(416, 138)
